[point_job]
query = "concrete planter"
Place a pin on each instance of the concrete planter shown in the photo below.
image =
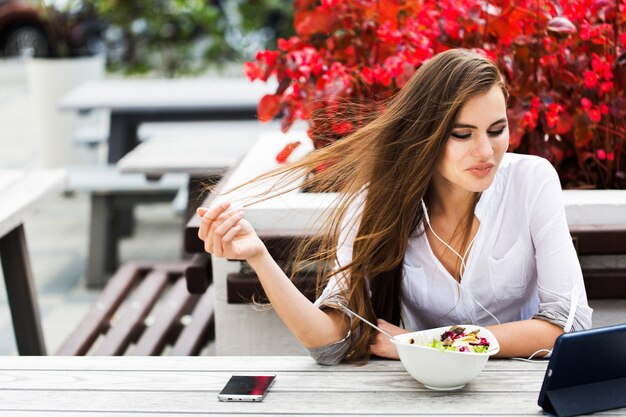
(48, 80)
(243, 329)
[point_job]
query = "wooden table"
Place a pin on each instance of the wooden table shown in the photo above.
(204, 152)
(112, 386)
(132, 102)
(201, 151)
(21, 192)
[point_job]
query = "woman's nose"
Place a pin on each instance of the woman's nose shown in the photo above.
(482, 147)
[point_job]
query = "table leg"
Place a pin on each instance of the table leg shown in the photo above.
(21, 293)
(103, 240)
(122, 135)
(122, 139)
(197, 192)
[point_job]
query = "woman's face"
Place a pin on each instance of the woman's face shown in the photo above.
(479, 139)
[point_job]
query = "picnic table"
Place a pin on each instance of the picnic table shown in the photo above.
(132, 102)
(103, 386)
(204, 151)
(22, 192)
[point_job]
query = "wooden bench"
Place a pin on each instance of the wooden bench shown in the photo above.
(589, 240)
(597, 240)
(145, 309)
(111, 194)
(244, 287)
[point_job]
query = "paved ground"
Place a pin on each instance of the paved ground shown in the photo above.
(57, 234)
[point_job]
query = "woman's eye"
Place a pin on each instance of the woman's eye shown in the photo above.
(494, 133)
(461, 136)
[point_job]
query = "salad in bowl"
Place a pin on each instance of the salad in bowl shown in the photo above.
(446, 358)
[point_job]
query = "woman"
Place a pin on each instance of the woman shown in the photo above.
(436, 225)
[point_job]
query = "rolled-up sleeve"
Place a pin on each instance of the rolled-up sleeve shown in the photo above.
(333, 295)
(562, 296)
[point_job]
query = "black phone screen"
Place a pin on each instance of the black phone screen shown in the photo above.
(248, 384)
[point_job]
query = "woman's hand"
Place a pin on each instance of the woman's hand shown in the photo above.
(226, 234)
(382, 346)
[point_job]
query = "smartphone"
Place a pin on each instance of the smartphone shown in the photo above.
(246, 387)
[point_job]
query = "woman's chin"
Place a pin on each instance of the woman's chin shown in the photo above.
(478, 186)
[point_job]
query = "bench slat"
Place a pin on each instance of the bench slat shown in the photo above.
(129, 323)
(177, 303)
(194, 335)
(97, 320)
(599, 239)
(605, 283)
(243, 288)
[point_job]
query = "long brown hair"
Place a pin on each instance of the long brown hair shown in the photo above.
(392, 159)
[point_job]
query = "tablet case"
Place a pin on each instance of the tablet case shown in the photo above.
(586, 373)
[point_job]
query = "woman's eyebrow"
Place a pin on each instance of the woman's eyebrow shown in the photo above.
(466, 126)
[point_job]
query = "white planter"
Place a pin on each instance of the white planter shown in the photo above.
(49, 80)
(241, 329)
(293, 211)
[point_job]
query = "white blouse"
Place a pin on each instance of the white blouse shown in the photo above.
(523, 263)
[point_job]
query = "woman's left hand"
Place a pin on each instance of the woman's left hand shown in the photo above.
(382, 346)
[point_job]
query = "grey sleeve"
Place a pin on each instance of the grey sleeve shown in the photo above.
(333, 353)
(571, 312)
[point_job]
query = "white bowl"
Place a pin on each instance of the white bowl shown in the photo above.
(442, 370)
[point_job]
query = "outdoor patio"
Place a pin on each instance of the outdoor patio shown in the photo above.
(149, 266)
(57, 235)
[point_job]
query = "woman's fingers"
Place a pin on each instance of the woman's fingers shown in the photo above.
(230, 235)
(383, 347)
(222, 226)
(209, 215)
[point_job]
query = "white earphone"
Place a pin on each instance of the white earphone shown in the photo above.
(462, 258)
(573, 301)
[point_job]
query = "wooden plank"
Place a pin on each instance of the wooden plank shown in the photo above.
(245, 288)
(605, 283)
(204, 400)
(166, 319)
(606, 239)
(98, 317)
(156, 380)
(107, 180)
(173, 95)
(201, 328)
(211, 151)
(192, 413)
(129, 322)
(23, 192)
(229, 364)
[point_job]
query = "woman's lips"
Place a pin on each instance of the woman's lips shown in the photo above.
(481, 170)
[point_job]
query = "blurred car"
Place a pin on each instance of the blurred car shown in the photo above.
(69, 29)
(22, 30)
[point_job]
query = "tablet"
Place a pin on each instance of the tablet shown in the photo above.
(585, 368)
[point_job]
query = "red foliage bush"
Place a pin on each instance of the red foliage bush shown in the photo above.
(565, 67)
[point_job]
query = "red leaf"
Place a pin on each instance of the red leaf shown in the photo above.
(388, 10)
(268, 107)
(564, 124)
(252, 71)
(556, 152)
(310, 22)
(282, 156)
(582, 131)
(516, 130)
